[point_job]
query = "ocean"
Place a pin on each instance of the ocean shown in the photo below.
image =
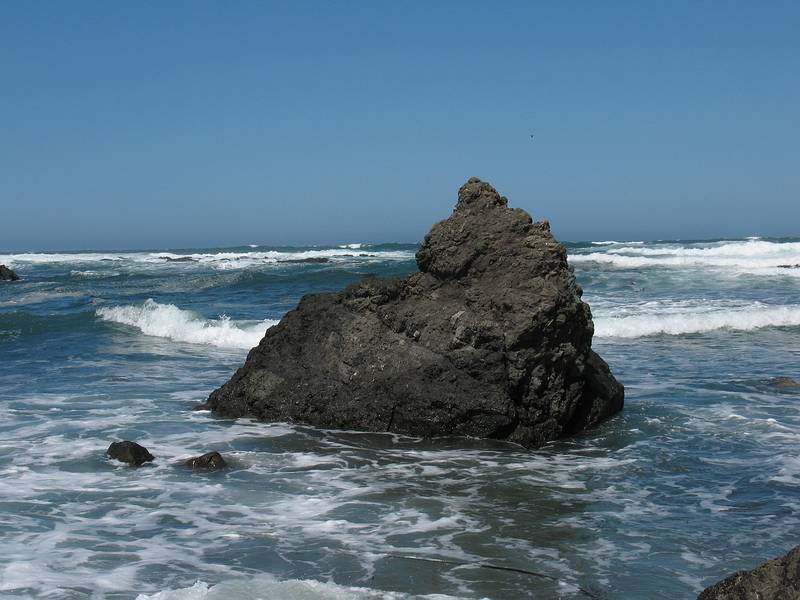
(698, 477)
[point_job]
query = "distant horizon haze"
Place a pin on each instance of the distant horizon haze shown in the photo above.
(197, 125)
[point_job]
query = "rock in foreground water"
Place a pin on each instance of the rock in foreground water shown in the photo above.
(490, 339)
(129, 452)
(211, 461)
(777, 579)
(7, 274)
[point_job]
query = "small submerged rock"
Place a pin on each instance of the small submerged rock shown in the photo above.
(785, 382)
(7, 274)
(129, 452)
(211, 461)
(180, 259)
(777, 579)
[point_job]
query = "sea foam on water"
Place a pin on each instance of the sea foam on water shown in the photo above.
(169, 321)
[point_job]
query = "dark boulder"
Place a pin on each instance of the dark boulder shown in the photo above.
(211, 461)
(129, 452)
(313, 260)
(777, 579)
(179, 259)
(7, 274)
(490, 339)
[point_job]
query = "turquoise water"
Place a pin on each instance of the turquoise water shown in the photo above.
(698, 477)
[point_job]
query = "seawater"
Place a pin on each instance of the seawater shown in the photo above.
(698, 477)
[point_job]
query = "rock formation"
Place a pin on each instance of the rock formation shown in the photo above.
(129, 452)
(7, 274)
(777, 579)
(211, 461)
(490, 339)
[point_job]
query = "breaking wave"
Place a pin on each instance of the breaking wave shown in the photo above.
(220, 260)
(750, 255)
(169, 321)
(614, 243)
(654, 318)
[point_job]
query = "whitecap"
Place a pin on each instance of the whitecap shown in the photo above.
(169, 321)
(698, 316)
(613, 243)
(752, 256)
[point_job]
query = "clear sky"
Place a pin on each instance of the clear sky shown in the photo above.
(169, 124)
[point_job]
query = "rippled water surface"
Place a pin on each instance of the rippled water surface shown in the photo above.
(698, 477)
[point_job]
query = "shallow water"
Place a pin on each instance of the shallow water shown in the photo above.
(698, 477)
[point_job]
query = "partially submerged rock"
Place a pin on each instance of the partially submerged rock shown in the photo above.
(129, 452)
(179, 259)
(211, 461)
(785, 382)
(312, 260)
(490, 339)
(777, 579)
(7, 274)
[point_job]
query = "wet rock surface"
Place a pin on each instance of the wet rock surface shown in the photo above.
(490, 339)
(777, 579)
(7, 274)
(211, 461)
(785, 383)
(129, 452)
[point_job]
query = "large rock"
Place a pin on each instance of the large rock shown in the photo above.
(7, 274)
(490, 339)
(777, 579)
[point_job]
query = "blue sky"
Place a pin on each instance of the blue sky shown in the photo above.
(169, 124)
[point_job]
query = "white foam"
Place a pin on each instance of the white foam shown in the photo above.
(752, 255)
(220, 260)
(695, 316)
(169, 321)
(265, 586)
(613, 243)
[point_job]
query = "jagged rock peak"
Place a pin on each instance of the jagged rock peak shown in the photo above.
(479, 194)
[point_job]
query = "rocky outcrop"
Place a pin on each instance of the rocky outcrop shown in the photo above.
(7, 274)
(211, 461)
(129, 452)
(777, 579)
(489, 339)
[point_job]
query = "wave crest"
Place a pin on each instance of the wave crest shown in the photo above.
(752, 255)
(695, 318)
(169, 321)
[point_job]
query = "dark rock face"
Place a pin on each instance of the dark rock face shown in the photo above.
(777, 579)
(490, 339)
(211, 461)
(7, 274)
(129, 452)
